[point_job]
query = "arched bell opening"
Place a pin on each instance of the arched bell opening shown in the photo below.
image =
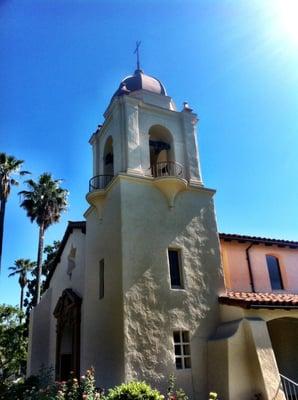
(284, 333)
(162, 155)
(68, 315)
(108, 158)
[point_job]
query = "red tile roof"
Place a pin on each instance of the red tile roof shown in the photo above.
(260, 300)
(258, 240)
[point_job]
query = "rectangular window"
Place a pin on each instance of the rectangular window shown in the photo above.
(274, 272)
(175, 269)
(182, 349)
(101, 278)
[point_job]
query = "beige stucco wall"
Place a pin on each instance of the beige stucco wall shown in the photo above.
(102, 337)
(233, 368)
(236, 269)
(43, 322)
(272, 334)
(242, 362)
(152, 310)
(39, 335)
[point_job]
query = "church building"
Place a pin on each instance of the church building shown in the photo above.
(142, 287)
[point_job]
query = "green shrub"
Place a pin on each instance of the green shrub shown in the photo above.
(134, 391)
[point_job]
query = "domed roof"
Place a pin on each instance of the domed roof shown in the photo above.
(140, 81)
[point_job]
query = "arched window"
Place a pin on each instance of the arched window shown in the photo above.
(108, 158)
(274, 272)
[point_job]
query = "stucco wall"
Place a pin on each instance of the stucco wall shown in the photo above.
(61, 280)
(39, 338)
(242, 363)
(152, 310)
(236, 268)
(102, 337)
(43, 341)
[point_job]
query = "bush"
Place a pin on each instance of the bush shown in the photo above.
(173, 393)
(134, 391)
(42, 387)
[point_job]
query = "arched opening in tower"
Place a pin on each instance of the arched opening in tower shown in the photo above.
(108, 158)
(161, 148)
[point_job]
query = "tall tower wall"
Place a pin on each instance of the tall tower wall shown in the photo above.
(102, 336)
(152, 309)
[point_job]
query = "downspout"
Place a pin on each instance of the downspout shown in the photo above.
(249, 267)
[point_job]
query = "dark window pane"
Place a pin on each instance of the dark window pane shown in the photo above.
(186, 349)
(174, 268)
(178, 350)
(179, 363)
(274, 273)
(185, 336)
(101, 279)
(187, 363)
(176, 335)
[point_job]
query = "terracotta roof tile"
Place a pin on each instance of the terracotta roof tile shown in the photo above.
(260, 300)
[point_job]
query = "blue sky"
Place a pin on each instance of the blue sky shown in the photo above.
(235, 62)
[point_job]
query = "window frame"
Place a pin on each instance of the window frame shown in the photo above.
(180, 268)
(182, 354)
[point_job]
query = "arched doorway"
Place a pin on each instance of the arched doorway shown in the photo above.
(68, 315)
(284, 333)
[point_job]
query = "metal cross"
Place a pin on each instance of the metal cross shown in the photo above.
(137, 52)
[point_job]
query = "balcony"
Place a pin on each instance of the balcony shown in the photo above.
(167, 169)
(169, 179)
(99, 182)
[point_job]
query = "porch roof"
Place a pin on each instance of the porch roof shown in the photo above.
(260, 300)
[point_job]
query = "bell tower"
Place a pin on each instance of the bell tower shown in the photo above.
(152, 251)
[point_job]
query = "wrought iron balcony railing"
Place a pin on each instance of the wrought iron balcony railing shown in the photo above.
(290, 388)
(99, 182)
(167, 168)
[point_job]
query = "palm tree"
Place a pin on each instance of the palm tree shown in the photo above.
(44, 202)
(9, 166)
(22, 267)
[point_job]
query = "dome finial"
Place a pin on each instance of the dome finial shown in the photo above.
(138, 42)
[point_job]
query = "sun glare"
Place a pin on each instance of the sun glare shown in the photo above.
(286, 15)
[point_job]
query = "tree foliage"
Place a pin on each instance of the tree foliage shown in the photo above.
(50, 252)
(21, 267)
(44, 201)
(9, 168)
(13, 344)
